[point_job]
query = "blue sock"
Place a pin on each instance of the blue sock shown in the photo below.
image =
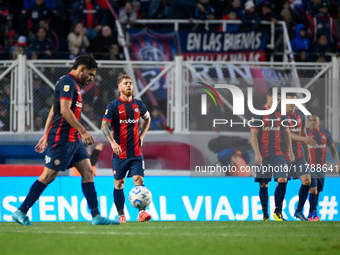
(303, 194)
(279, 195)
(264, 199)
(33, 195)
(119, 198)
(313, 202)
(91, 197)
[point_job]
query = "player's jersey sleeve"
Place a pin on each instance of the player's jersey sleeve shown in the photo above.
(109, 112)
(256, 121)
(329, 138)
(144, 113)
(66, 90)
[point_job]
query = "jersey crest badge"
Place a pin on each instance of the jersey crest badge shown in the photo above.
(66, 88)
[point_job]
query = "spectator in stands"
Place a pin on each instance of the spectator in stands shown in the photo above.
(136, 7)
(180, 9)
(301, 42)
(77, 40)
(114, 52)
(41, 47)
(207, 14)
(31, 17)
(313, 9)
(324, 24)
(158, 9)
(127, 15)
(99, 46)
(157, 122)
(50, 34)
(337, 28)
(301, 56)
(290, 23)
(230, 27)
(4, 21)
(49, 3)
(236, 6)
(321, 47)
(266, 12)
(144, 8)
(90, 14)
(250, 19)
(20, 48)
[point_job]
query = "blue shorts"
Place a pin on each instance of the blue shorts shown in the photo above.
(131, 166)
(298, 168)
(64, 155)
(317, 182)
(272, 166)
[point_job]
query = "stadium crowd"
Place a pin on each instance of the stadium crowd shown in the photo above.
(60, 29)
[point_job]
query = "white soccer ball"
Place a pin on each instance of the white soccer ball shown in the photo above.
(140, 197)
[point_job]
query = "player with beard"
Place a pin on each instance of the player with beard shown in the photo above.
(64, 137)
(123, 115)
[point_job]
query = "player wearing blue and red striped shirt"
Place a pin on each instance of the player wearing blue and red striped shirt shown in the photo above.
(323, 139)
(123, 115)
(270, 140)
(296, 120)
(62, 139)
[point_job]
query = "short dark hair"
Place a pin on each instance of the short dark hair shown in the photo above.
(270, 91)
(87, 60)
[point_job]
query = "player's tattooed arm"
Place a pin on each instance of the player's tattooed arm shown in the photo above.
(106, 129)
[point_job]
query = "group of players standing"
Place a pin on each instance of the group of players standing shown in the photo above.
(271, 143)
(281, 146)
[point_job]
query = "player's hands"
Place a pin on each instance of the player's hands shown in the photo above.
(291, 156)
(310, 141)
(258, 159)
(41, 145)
(87, 138)
(116, 148)
(99, 146)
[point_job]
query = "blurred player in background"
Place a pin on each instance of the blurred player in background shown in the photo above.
(299, 169)
(269, 142)
(62, 137)
(123, 115)
(318, 158)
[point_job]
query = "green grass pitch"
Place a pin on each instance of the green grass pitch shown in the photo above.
(160, 238)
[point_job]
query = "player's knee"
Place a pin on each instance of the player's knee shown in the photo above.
(138, 180)
(119, 184)
(264, 184)
(87, 175)
(282, 180)
(306, 182)
(313, 190)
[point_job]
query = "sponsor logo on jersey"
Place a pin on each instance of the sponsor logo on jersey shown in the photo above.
(79, 104)
(66, 88)
(270, 128)
(318, 146)
(57, 162)
(136, 109)
(295, 130)
(107, 111)
(128, 121)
